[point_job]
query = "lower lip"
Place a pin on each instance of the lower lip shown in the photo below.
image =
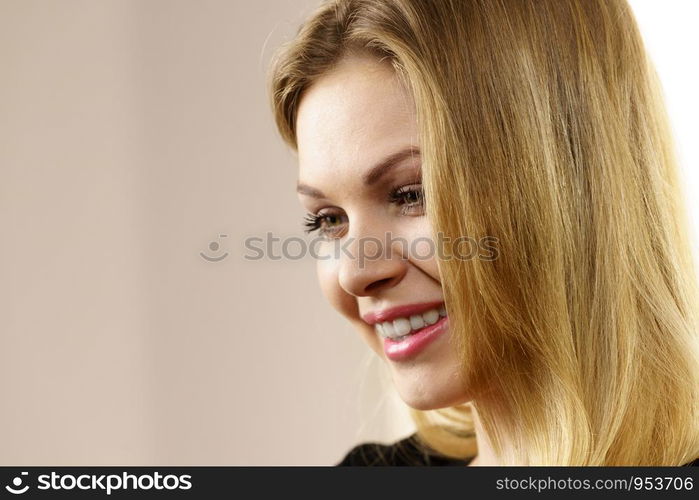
(414, 344)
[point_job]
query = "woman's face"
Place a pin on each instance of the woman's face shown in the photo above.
(360, 180)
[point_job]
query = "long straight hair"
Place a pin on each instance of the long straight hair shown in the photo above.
(542, 124)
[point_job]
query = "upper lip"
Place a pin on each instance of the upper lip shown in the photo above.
(403, 311)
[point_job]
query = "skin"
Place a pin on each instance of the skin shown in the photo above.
(349, 120)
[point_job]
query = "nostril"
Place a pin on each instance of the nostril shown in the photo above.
(377, 284)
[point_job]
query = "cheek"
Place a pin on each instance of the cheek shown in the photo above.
(423, 248)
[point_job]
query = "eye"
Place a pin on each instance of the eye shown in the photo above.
(328, 224)
(410, 199)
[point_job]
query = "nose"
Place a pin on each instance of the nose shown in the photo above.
(371, 265)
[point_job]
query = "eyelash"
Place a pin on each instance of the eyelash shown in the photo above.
(313, 222)
(400, 194)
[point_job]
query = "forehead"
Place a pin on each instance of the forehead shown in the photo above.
(352, 117)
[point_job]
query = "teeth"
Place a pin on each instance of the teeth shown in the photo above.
(379, 330)
(416, 322)
(401, 327)
(431, 316)
(388, 329)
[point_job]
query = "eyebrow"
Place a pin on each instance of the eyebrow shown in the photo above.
(373, 175)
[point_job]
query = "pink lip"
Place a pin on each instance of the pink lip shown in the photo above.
(399, 312)
(415, 343)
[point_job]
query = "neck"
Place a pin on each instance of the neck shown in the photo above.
(486, 454)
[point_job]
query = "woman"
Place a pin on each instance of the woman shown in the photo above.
(534, 131)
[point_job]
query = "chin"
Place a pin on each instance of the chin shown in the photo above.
(423, 394)
(422, 404)
(425, 404)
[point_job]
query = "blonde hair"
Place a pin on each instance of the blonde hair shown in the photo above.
(542, 124)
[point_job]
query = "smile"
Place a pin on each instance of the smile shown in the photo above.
(402, 327)
(408, 330)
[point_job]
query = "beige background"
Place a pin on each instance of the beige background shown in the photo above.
(132, 134)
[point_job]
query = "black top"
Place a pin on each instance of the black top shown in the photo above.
(407, 452)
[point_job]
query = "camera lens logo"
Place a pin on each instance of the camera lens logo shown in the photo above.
(214, 247)
(17, 482)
